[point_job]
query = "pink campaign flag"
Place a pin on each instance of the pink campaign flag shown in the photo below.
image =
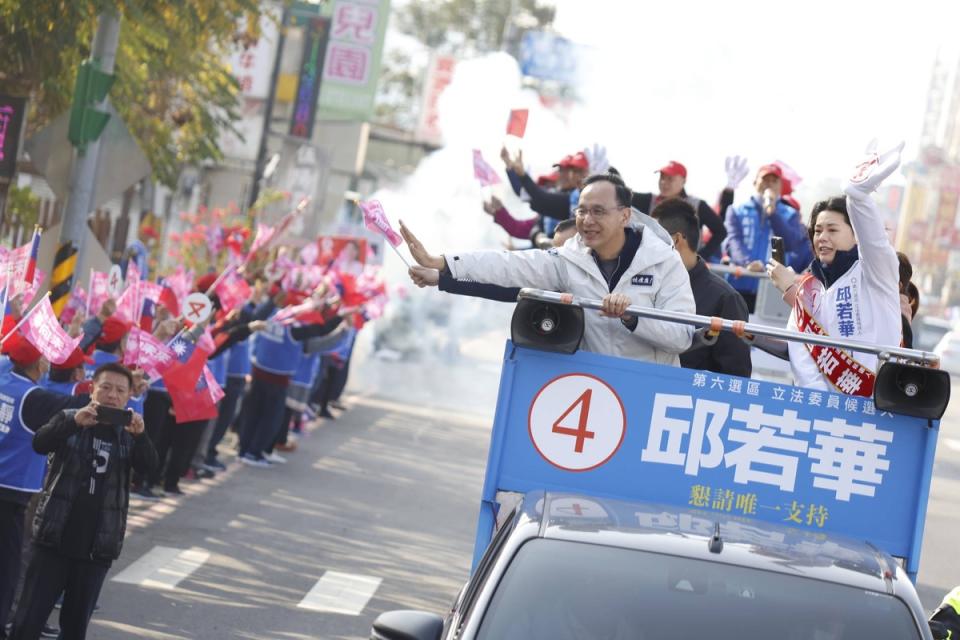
(128, 306)
(17, 264)
(482, 171)
(233, 291)
(99, 292)
(77, 301)
(150, 291)
(181, 283)
(376, 220)
(205, 341)
(31, 290)
(146, 352)
(264, 235)
(213, 387)
(43, 331)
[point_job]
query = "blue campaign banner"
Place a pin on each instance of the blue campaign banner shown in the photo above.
(548, 56)
(611, 427)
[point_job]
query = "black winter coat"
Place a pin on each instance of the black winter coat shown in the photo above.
(71, 457)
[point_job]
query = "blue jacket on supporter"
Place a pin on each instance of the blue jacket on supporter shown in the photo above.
(749, 231)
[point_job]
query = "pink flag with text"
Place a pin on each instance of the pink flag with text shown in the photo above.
(43, 331)
(376, 220)
(146, 352)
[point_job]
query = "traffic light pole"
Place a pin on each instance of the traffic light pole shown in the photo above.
(83, 177)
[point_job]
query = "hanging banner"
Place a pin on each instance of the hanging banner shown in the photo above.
(308, 80)
(352, 65)
(11, 123)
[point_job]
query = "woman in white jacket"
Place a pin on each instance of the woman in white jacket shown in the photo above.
(851, 289)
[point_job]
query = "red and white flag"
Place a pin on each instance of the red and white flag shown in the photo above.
(482, 171)
(517, 125)
(233, 291)
(43, 331)
(376, 220)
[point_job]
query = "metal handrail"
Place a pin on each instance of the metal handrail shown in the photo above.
(740, 328)
(736, 271)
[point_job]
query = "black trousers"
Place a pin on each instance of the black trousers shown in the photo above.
(48, 575)
(176, 447)
(233, 393)
(12, 517)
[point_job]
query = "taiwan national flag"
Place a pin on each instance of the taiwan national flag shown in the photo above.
(187, 385)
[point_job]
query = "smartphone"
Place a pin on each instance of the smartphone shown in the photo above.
(776, 250)
(109, 415)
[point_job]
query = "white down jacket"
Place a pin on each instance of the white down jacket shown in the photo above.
(656, 278)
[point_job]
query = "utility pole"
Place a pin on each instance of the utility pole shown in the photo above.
(261, 161)
(88, 118)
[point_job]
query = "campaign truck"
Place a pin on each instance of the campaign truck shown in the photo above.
(659, 502)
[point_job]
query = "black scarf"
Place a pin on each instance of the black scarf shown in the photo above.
(830, 273)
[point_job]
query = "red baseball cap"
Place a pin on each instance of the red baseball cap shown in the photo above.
(204, 282)
(576, 161)
(673, 168)
(113, 330)
(548, 179)
(767, 169)
(76, 359)
(20, 351)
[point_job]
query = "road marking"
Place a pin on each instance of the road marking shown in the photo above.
(344, 593)
(163, 567)
(952, 444)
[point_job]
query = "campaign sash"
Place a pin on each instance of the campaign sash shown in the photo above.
(838, 366)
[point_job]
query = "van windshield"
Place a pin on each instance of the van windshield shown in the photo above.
(559, 590)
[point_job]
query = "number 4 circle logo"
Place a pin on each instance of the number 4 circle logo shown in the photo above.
(577, 422)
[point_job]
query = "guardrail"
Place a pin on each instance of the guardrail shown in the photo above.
(746, 330)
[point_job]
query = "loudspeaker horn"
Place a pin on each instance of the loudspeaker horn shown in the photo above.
(912, 390)
(546, 326)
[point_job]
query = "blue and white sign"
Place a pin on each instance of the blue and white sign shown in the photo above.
(547, 56)
(611, 427)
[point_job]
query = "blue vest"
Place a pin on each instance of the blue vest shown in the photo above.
(307, 371)
(275, 351)
(5, 365)
(66, 388)
(218, 367)
(21, 468)
(238, 359)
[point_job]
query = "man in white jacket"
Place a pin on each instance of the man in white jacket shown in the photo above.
(612, 257)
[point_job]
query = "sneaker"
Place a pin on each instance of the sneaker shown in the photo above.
(285, 447)
(146, 493)
(214, 465)
(173, 491)
(325, 413)
(252, 461)
(274, 457)
(203, 473)
(49, 631)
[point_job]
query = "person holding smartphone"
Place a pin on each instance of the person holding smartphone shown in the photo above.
(81, 516)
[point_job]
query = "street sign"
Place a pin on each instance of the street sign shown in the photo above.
(122, 163)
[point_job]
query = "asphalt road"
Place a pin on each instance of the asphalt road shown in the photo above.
(375, 511)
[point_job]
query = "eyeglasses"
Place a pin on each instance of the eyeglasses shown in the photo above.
(597, 212)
